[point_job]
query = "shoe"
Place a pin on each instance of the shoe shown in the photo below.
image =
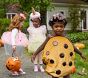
(42, 69)
(15, 73)
(35, 68)
(21, 71)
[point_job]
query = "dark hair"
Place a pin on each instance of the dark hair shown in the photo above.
(57, 20)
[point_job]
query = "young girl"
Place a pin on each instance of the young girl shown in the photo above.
(14, 40)
(37, 35)
(57, 24)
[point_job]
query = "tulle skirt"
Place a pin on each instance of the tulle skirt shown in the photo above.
(21, 42)
(21, 38)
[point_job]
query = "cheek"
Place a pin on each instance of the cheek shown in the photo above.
(62, 29)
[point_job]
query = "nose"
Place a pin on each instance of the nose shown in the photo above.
(59, 28)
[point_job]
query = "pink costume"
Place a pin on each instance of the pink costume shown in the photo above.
(21, 41)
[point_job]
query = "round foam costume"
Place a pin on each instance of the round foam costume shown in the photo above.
(58, 57)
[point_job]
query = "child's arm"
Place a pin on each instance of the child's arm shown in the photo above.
(40, 48)
(13, 38)
(79, 52)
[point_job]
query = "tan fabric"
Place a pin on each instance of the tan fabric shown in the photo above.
(58, 57)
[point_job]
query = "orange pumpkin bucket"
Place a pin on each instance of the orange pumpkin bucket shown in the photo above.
(13, 63)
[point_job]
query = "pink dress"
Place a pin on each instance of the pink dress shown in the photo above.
(21, 41)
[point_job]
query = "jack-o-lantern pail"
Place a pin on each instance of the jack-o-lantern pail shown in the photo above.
(13, 64)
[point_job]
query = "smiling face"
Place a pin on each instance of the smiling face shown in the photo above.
(58, 29)
(36, 22)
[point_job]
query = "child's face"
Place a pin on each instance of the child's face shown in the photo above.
(36, 22)
(58, 29)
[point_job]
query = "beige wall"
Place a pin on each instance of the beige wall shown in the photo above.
(65, 10)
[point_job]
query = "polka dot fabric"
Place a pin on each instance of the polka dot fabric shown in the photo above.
(59, 56)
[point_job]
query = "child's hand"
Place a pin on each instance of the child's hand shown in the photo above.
(84, 58)
(33, 57)
(14, 48)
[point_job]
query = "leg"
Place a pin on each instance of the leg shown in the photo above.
(36, 64)
(40, 62)
(21, 71)
(14, 73)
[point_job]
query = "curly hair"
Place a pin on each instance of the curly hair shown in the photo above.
(57, 19)
(15, 22)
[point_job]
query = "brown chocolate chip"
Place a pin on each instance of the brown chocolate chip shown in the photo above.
(70, 63)
(71, 53)
(51, 61)
(58, 72)
(62, 55)
(65, 46)
(64, 63)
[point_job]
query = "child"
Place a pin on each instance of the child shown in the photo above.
(57, 24)
(14, 40)
(37, 35)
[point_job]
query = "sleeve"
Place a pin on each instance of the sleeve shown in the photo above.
(44, 29)
(13, 36)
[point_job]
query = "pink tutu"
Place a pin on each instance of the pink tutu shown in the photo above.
(21, 39)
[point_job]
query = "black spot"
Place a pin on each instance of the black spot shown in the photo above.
(71, 53)
(62, 55)
(44, 62)
(65, 46)
(51, 61)
(64, 63)
(58, 72)
(70, 63)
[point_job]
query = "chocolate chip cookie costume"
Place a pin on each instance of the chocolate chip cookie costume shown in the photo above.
(58, 57)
